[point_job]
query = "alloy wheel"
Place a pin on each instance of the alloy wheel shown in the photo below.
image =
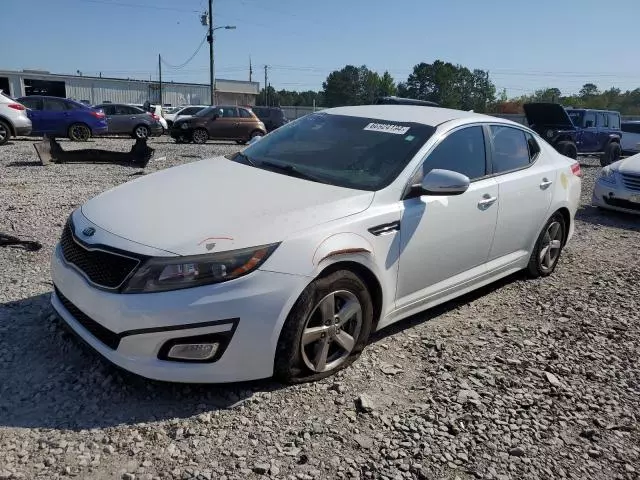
(141, 132)
(551, 246)
(200, 136)
(80, 133)
(3, 133)
(331, 331)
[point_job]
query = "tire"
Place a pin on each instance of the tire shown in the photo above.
(546, 252)
(141, 131)
(200, 136)
(295, 363)
(568, 149)
(5, 132)
(79, 132)
(612, 153)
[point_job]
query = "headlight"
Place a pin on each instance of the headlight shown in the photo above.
(607, 174)
(184, 126)
(175, 273)
(549, 133)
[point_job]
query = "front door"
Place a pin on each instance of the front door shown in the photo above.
(526, 184)
(445, 240)
(588, 136)
(222, 126)
(56, 117)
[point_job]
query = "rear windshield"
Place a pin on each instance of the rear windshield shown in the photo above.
(353, 152)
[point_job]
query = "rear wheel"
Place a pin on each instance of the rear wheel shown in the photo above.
(611, 154)
(568, 149)
(326, 330)
(200, 136)
(5, 132)
(79, 132)
(546, 253)
(141, 131)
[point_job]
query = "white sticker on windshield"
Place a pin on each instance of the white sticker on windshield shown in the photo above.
(387, 128)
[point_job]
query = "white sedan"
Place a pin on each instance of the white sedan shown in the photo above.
(283, 258)
(618, 187)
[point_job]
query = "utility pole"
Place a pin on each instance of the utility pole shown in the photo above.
(160, 75)
(250, 69)
(212, 74)
(266, 92)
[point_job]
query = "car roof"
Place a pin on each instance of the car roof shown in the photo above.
(411, 113)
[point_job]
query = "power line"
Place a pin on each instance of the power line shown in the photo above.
(184, 64)
(139, 5)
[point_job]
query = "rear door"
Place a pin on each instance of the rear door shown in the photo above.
(34, 113)
(109, 112)
(56, 116)
(602, 124)
(526, 183)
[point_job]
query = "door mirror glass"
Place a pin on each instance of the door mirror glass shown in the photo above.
(444, 182)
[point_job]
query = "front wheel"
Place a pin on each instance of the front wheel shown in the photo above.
(326, 330)
(79, 132)
(548, 248)
(200, 136)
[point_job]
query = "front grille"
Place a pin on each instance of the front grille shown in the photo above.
(631, 181)
(618, 202)
(104, 269)
(106, 336)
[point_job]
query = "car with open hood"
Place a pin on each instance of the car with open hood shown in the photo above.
(618, 186)
(283, 258)
(575, 131)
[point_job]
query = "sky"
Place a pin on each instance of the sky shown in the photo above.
(525, 45)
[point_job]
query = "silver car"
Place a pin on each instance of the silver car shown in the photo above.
(13, 119)
(130, 120)
(618, 187)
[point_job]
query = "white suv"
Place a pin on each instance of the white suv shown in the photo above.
(13, 119)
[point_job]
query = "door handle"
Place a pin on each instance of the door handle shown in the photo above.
(487, 201)
(546, 183)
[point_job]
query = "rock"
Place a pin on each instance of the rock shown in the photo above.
(261, 468)
(516, 452)
(364, 441)
(128, 476)
(514, 362)
(588, 433)
(593, 453)
(553, 380)
(465, 396)
(365, 403)
(389, 369)
(109, 449)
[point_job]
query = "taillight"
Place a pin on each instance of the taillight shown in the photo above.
(575, 169)
(97, 114)
(16, 106)
(154, 116)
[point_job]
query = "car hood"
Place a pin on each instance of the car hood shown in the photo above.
(629, 165)
(547, 114)
(185, 210)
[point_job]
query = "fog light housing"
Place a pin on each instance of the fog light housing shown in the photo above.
(193, 351)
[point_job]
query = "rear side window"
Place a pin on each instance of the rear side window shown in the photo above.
(511, 150)
(462, 151)
(602, 119)
(534, 148)
(614, 120)
(107, 109)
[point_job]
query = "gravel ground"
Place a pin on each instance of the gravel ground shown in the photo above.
(524, 379)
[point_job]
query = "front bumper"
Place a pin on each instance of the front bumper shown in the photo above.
(130, 330)
(615, 197)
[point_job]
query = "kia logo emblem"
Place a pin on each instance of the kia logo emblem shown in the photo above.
(89, 231)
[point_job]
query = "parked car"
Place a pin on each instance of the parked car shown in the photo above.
(218, 123)
(158, 112)
(183, 112)
(130, 120)
(13, 119)
(618, 186)
(283, 258)
(272, 117)
(393, 100)
(575, 131)
(631, 137)
(62, 117)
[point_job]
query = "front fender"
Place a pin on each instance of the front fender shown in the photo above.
(341, 244)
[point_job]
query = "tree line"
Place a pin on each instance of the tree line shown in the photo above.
(452, 86)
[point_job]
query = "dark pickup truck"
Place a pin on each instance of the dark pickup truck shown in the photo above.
(576, 131)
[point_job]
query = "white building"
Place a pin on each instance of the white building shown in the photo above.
(94, 90)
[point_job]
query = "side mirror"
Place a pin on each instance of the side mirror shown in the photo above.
(440, 183)
(254, 140)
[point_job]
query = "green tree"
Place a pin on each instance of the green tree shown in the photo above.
(342, 87)
(387, 86)
(588, 90)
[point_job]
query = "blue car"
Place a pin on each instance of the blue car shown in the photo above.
(61, 117)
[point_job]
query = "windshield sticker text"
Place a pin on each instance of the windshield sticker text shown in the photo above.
(387, 128)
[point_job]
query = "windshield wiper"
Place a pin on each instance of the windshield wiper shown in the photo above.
(291, 170)
(246, 158)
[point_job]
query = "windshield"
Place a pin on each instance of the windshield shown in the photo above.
(352, 152)
(205, 112)
(576, 117)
